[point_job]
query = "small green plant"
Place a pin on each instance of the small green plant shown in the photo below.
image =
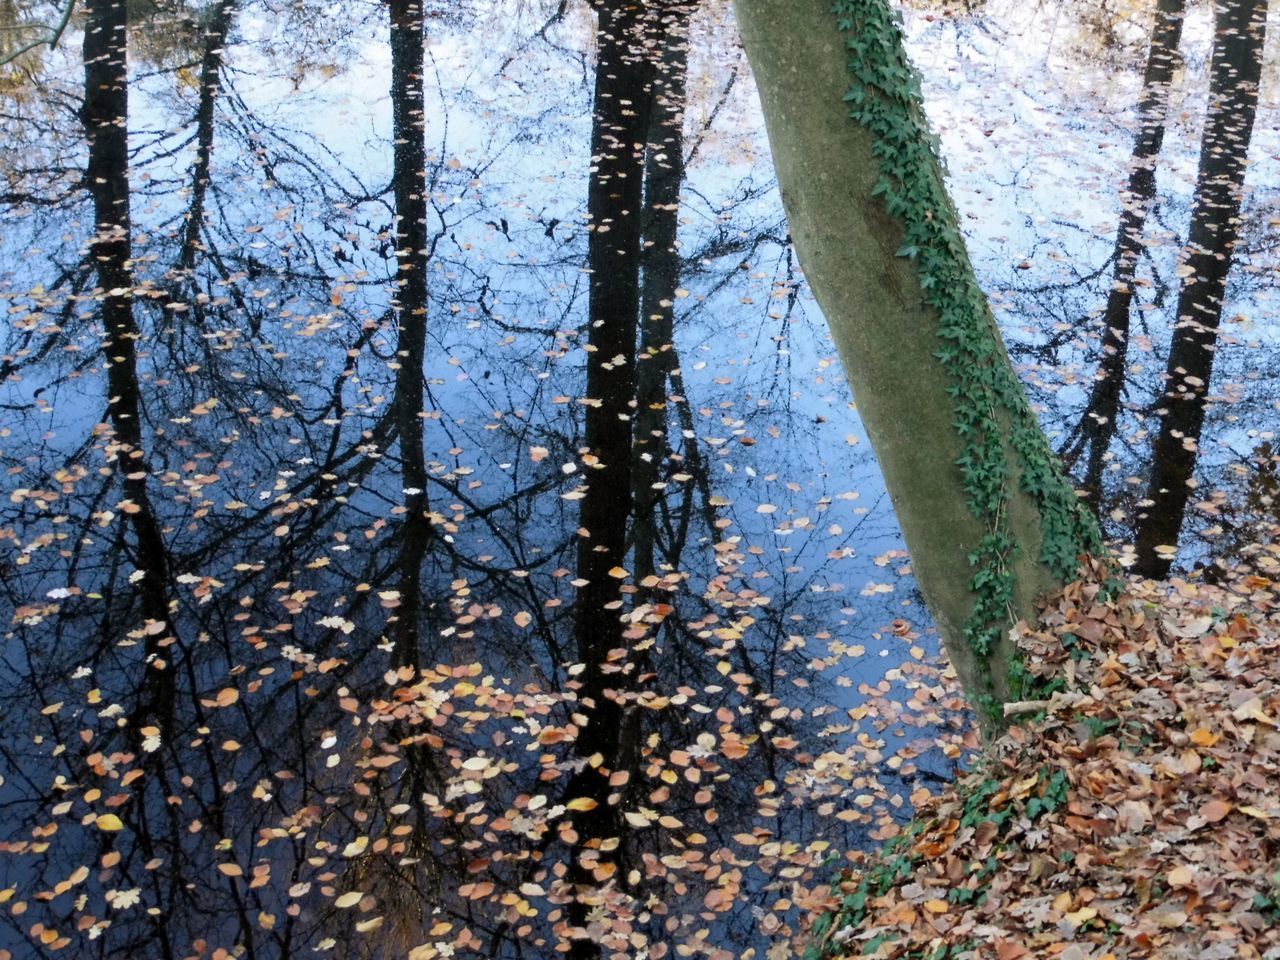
(977, 806)
(1268, 904)
(1053, 795)
(1099, 726)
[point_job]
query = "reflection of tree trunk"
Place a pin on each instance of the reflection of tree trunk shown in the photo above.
(1215, 226)
(614, 203)
(1099, 422)
(663, 177)
(210, 84)
(105, 115)
(410, 187)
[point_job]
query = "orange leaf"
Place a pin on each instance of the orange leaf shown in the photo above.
(1215, 810)
(1008, 950)
(1205, 738)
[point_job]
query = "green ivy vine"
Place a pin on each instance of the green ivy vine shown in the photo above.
(901, 860)
(992, 416)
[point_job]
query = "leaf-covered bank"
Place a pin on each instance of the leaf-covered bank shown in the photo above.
(1133, 815)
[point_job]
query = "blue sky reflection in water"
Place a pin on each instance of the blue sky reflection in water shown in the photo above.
(302, 797)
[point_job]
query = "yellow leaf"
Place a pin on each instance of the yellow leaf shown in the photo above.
(1256, 812)
(109, 822)
(1081, 916)
(582, 803)
(936, 906)
(1204, 738)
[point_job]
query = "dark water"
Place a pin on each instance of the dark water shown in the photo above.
(289, 622)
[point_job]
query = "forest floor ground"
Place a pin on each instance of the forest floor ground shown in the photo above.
(1134, 812)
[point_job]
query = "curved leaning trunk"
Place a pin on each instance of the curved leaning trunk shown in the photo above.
(988, 516)
(215, 38)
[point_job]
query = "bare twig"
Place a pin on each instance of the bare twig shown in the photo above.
(52, 34)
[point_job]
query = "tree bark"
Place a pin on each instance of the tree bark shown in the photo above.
(990, 520)
(1239, 36)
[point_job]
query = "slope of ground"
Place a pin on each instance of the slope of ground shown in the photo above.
(1134, 814)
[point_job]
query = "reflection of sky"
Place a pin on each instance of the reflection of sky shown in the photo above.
(1036, 139)
(1037, 142)
(1037, 145)
(770, 379)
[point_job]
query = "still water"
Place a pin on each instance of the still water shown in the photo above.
(320, 605)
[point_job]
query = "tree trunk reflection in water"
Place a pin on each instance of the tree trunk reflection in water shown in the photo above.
(614, 203)
(1098, 424)
(410, 306)
(410, 188)
(105, 115)
(215, 38)
(663, 178)
(1239, 37)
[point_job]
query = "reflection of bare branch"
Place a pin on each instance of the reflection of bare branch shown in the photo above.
(539, 34)
(52, 34)
(711, 117)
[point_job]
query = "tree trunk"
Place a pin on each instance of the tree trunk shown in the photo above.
(1239, 37)
(409, 184)
(614, 204)
(1100, 419)
(663, 178)
(105, 115)
(987, 514)
(215, 38)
